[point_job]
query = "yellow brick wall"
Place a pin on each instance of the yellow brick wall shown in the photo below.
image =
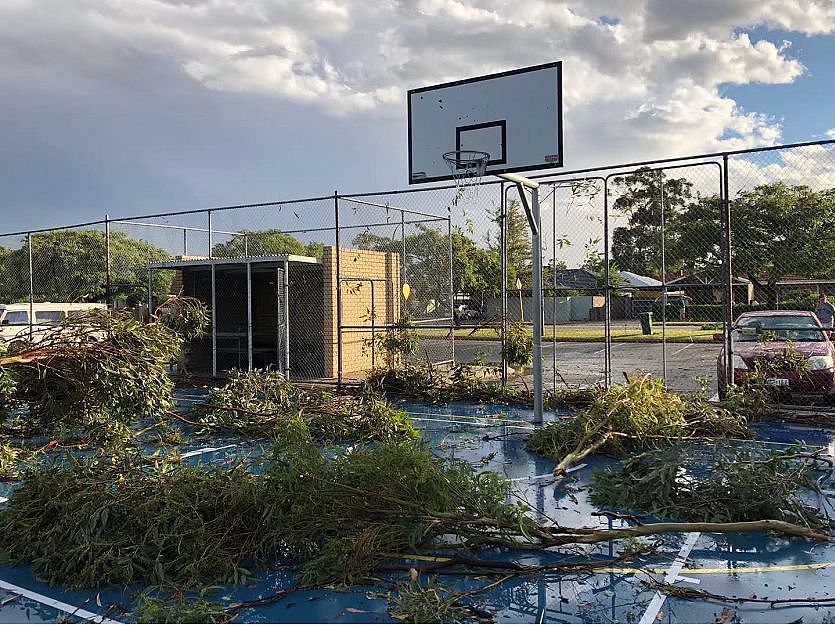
(357, 306)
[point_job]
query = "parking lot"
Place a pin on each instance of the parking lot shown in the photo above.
(583, 363)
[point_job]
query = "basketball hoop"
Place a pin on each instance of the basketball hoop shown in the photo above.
(467, 168)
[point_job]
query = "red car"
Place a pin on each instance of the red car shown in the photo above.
(764, 335)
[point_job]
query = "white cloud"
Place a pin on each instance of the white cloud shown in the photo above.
(646, 80)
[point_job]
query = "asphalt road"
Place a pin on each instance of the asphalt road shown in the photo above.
(582, 363)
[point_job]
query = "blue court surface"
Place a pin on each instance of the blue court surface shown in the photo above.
(752, 566)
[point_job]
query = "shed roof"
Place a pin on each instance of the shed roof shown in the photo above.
(238, 260)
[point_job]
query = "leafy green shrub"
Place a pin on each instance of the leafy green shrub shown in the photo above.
(518, 345)
(169, 610)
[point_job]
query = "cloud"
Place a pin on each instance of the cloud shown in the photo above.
(160, 89)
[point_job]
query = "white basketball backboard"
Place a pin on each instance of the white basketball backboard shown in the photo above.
(514, 116)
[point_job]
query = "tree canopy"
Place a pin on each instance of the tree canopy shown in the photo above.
(266, 242)
(777, 230)
(70, 265)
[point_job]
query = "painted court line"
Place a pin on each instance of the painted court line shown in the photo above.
(545, 475)
(678, 351)
(671, 577)
(477, 423)
(54, 603)
(204, 450)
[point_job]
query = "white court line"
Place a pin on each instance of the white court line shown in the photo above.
(204, 450)
(671, 577)
(54, 603)
(678, 351)
(614, 345)
(477, 423)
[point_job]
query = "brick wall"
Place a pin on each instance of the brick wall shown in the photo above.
(357, 306)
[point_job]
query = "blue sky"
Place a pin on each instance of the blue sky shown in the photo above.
(132, 106)
(804, 107)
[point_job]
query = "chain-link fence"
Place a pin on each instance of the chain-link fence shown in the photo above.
(637, 271)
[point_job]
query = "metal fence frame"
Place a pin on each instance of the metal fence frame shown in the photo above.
(720, 160)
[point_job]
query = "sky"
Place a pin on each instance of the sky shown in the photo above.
(133, 106)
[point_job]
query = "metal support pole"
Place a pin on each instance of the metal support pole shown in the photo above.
(107, 276)
(246, 245)
(209, 213)
(185, 242)
(554, 291)
(503, 257)
(214, 324)
(663, 283)
(286, 313)
(31, 284)
(338, 284)
(451, 286)
(373, 328)
(150, 293)
(607, 292)
(727, 274)
(249, 316)
(402, 262)
(536, 236)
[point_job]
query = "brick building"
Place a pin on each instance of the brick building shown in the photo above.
(282, 311)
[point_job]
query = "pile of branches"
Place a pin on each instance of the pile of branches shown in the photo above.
(464, 382)
(98, 371)
(91, 522)
(720, 484)
(258, 403)
(639, 414)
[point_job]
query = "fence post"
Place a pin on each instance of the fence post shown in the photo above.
(536, 241)
(727, 277)
(185, 242)
(663, 281)
(402, 262)
(31, 283)
(338, 292)
(107, 277)
(209, 213)
(503, 257)
(451, 284)
(607, 292)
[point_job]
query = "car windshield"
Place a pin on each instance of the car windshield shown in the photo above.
(778, 328)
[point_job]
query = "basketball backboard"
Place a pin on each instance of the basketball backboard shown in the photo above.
(514, 116)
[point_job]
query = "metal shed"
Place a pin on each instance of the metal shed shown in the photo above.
(252, 301)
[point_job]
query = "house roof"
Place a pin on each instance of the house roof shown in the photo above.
(575, 279)
(639, 282)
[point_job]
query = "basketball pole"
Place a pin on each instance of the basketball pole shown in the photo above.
(535, 223)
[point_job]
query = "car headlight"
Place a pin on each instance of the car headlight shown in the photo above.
(816, 363)
(739, 363)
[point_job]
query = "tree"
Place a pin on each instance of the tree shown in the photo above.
(266, 243)
(71, 265)
(637, 246)
(474, 270)
(519, 248)
(595, 261)
(780, 229)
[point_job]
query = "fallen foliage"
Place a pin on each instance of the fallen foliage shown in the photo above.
(99, 371)
(256, 403)
(721, 484)
(639, 414)
(464, 382)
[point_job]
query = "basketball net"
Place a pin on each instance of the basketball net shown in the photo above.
(467, 168)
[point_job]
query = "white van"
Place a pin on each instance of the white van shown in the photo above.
(15, 322)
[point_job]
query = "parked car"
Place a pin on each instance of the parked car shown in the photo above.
(763, 336)
(465, 313)
(14, 318)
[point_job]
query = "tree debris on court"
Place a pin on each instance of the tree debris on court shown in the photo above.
(718, 484)
(639, 414)
(98, 372)
(254, 403)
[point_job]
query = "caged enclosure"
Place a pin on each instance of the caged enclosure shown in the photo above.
(320, 410)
